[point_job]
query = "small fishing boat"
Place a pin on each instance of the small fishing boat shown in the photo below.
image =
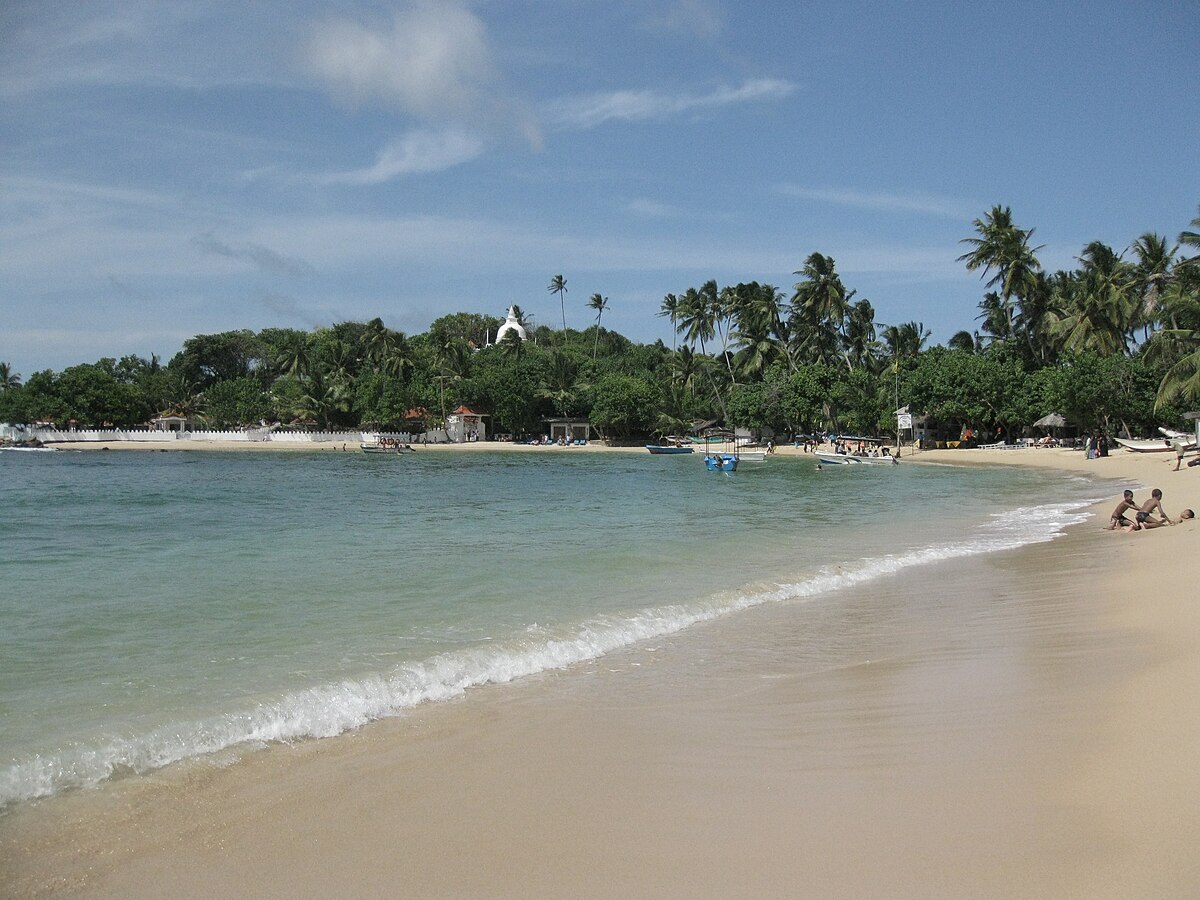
(385, 445)
(721, 462)
(667, 449)
(841, 459)
(1155, 445)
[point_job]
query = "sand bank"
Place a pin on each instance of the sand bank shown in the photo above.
(1023, 724)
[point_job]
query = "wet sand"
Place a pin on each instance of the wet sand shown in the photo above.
(1021, 724)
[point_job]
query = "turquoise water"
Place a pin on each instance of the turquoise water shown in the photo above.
(162, 606)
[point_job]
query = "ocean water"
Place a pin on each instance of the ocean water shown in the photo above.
(157, 607)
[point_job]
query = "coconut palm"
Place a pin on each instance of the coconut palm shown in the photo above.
(695, 318)
(1101, 309)
(670, 310)
(1191, 241)
(558, 285)
(1151, 271)
(819, 307)
(8, 378)
(906, 340)
(599, 304)
(1002, 250)
(964, 340)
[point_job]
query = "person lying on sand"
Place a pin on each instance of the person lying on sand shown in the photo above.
(1118, 519)
(1145, 519)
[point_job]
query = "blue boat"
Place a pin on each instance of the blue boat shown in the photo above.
(721, 462)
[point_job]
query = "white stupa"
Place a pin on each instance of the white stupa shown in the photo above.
(510, 324)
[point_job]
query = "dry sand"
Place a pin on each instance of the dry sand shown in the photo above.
(1023, 724)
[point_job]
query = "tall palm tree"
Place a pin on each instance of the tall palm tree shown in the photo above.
(1003, 249)
(906, 340)
(670, 310)
(695, 318)
(8, 378)
(819, 307)
(1191, 240)
(1101, 309)
(1152, 271)
(599, 304)
(558, 285)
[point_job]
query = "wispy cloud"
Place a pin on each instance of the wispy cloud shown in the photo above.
(925, 204)
(653, 209)
(433, 62)
(697, 18)
(416, 152)
(591, 110)
(260, 257)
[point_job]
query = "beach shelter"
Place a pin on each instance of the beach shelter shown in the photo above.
(1054, 420)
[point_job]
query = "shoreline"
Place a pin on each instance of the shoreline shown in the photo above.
(1038, 742)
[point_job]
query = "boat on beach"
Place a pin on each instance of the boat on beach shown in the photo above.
(1155, 445)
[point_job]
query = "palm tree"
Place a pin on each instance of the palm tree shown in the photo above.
(964, 340)
(1004, 248)
(906, 340)
(8, 378)
(1101, 309)
(558, 285)
(695, 318)
(1191, 240)
(599, 304)
(1152, 271)
(323, 398)
(819, 307)
(670, 310)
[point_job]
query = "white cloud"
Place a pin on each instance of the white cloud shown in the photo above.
(595, 109)
(416, 152)
(653, 209)
(700, 18)
(926, 204)
(433, 62)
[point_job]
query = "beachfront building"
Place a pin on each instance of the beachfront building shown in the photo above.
(569, 429)
(169, 421)
(465, 426)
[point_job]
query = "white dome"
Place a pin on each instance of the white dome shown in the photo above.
(510, 324)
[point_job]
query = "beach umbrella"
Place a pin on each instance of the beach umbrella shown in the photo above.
(1054, 420)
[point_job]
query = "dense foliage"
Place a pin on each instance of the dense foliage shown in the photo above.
(1113, 345)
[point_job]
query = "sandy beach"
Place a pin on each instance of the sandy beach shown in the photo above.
(1038, 740)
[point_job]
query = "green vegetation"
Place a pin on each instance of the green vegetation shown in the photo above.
(1112, 344)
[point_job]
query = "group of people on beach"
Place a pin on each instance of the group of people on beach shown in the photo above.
(1144, 517)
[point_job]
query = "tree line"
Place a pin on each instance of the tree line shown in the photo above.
(1113, 345)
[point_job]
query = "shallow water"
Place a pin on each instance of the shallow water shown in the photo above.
(160, 606)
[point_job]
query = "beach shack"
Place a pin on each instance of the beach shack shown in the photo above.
(569, 429)
(169, 421)
(465, 426)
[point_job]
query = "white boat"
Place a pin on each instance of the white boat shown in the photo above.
(840, 459)
(1156, 445)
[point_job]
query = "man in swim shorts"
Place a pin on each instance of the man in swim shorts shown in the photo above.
(1118, 519)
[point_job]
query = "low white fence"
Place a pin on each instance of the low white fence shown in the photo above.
(262, 435)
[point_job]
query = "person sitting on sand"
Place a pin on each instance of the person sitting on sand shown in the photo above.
(1144, 517)
(1118, 519)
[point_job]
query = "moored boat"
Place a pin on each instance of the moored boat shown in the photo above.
(667, 449)
(721, 462)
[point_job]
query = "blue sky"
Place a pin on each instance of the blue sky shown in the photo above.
(176, 168)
